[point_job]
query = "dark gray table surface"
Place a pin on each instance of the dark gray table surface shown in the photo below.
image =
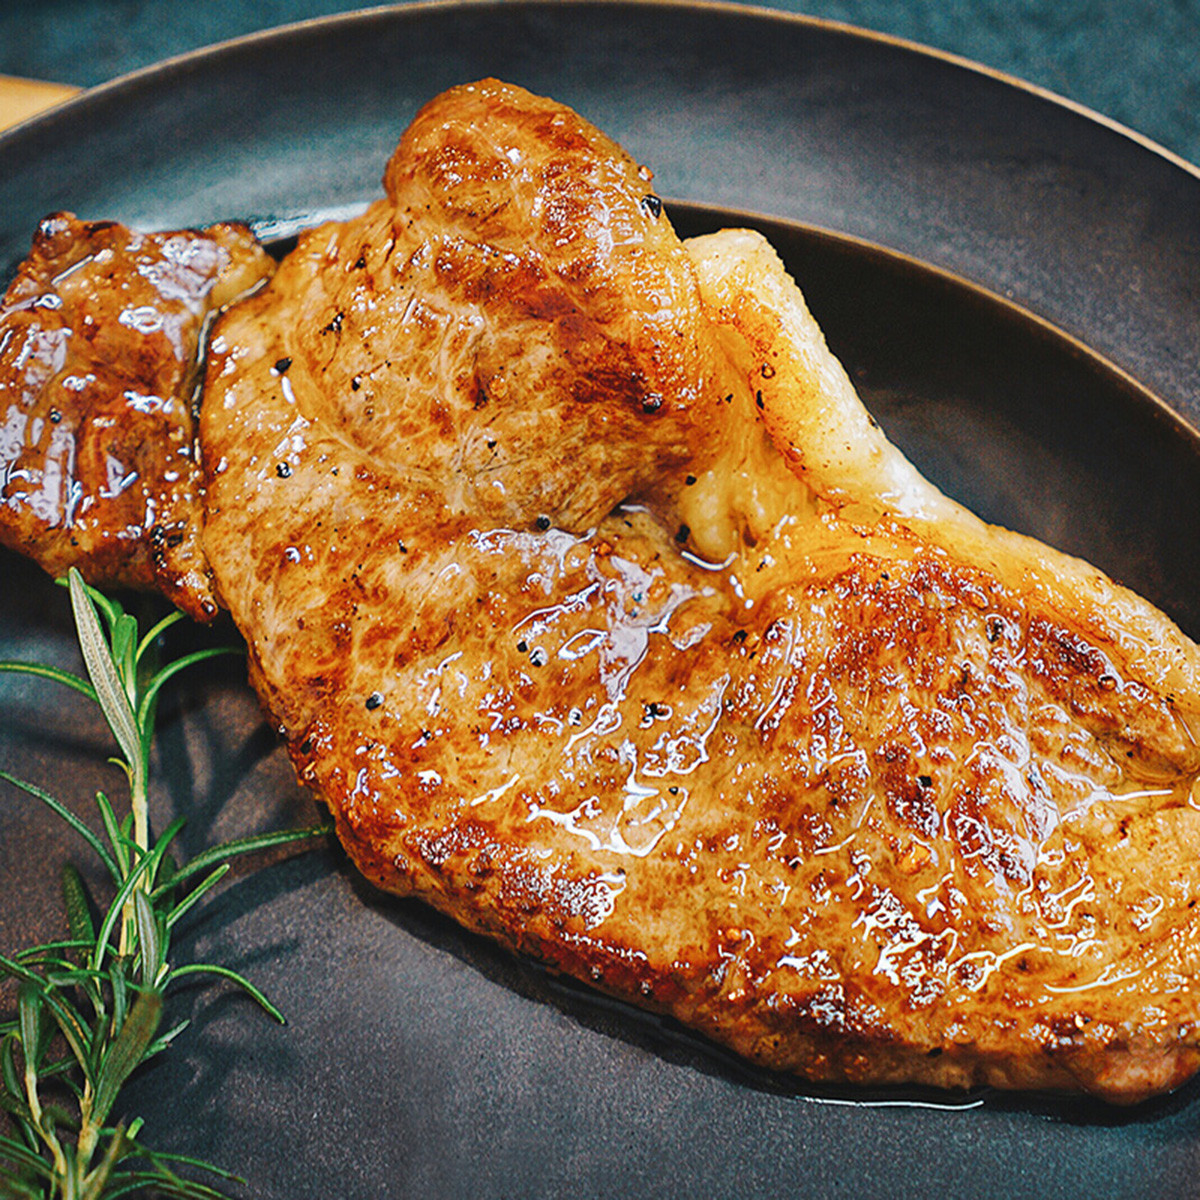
(1135, 61)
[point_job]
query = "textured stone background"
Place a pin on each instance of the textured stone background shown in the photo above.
(1136, 61)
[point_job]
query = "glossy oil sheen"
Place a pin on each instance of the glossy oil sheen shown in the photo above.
(418, 1060)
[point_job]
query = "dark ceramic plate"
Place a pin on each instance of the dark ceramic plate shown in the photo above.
(1014, 284)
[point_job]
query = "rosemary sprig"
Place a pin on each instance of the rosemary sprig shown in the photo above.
(90, 1006)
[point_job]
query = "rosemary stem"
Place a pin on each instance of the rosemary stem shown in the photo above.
(87, 1131)
(35, 1110)
(118, 968)
(139, 800)
(140, 808)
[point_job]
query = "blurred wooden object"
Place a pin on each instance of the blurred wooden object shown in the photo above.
(22, 98)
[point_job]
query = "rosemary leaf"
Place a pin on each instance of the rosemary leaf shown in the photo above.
(112, 828)
(102, 670)
(29, 1014)
(163, 1040)
(79, 911)
(58, 676)
(69, 817)
(127, 1050)
(183, 1189)
(78, 1036)
(119, 989)
(197, 894)
(248, 845)
(153, 634)
(14, 1186)
(150, 943)
(161, 1158)
(115, 910)
(150, 695)
(233, 977)
(12, 1149)
(12, 1098)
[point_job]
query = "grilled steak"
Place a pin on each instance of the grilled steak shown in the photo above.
(592, 604)
(99, 342)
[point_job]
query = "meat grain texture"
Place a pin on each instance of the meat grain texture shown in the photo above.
(591, 601)
(100, 339)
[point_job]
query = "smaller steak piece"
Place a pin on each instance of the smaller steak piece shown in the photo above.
(99, 344)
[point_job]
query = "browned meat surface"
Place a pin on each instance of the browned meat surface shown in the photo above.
(808, 758)
(99, 341)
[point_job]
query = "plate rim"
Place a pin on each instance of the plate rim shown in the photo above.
(198, 56)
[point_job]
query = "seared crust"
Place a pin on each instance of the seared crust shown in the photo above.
(858, 801)
(442, 307)
(99, 345)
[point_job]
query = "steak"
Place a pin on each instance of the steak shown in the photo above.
(592, 603)
(99, 346)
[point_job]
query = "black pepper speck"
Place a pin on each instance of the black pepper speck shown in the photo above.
(652, 206)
